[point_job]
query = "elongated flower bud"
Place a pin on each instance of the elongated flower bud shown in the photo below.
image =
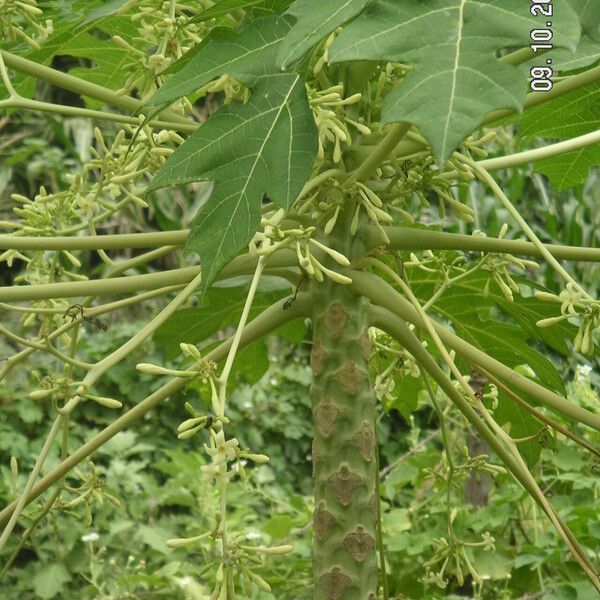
(107, 402)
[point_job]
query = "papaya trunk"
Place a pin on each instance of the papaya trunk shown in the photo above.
(344, 446)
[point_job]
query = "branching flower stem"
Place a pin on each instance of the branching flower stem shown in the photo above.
(491, 182)
(238, 334)
(536, 413)
(382, 293)
(85, 88)
(269, 320)
(89, 380)
(447, 447)
(39, 463)
(109, 361)
(89, 313)
(397, 328)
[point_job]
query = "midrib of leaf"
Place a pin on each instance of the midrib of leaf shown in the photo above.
(242, 194)
(454, 73)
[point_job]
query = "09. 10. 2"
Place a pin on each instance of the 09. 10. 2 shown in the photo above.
(541, 42)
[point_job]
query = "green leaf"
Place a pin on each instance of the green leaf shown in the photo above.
(224, 7)
(588, 53)
(243, 55)
(155, 537)
(49, 580)
(569, 169)
(314, 21)
(522, 424)
(265, 147)
(527, 311)
(108, 8)
(109, 62)
(570, 115)
(455, 79)
(507, 344)
(221, 307)
(564, 117)
(471, 314)
(589, 15)
(279, 526)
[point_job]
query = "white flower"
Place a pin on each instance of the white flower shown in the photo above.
(585, 370)
(90, 537)
(221, 450)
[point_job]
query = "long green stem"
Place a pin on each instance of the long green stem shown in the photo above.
(401, 238)
(406, 238)
(238, 334)
(81, 86)
(514, 213)
(533, 155)
(24, 496)
(78, 111)
(397, 328)
(380, 292)
(269, 320)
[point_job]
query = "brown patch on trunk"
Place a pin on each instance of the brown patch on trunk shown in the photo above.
(358, 543)
(335, 583)
(350, 377)
(322, 520)
(326, 415)
(364, 440)
(343, 483)
(335, 319)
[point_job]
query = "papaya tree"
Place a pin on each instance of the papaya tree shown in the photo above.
(315, 138)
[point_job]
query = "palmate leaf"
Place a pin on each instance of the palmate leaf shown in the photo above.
(570, 169)
(589, 15)
(564, 117)
(588, 53)
(314, 21)
(450, 45)
(265, 147)
(465, 306)
(221, 307)
(243, 55)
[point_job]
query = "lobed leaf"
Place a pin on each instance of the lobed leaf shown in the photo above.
(314, 21)
(244, 55)
(265, 147)
(451, 46)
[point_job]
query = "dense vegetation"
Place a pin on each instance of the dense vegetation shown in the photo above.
(380, 359)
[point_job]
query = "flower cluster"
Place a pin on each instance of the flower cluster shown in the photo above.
(498, 265)
(165, 31)
(90, 492)
(453, 555)
(403, 364)
(328, 108)
(19, 21)
(115, 172)
(274, 237)
(575, 303)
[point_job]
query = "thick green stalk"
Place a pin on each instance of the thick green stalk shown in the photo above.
(382, 293)
(407, 238)
(80, 86)
(344, 462)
